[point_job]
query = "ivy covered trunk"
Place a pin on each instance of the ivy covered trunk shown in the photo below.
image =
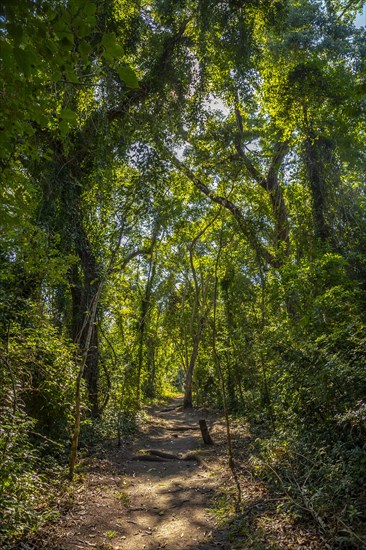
(84, 284)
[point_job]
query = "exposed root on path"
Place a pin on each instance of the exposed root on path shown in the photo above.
(152, 455)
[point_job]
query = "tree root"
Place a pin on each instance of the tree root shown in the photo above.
(168, 409)
(181, 428)
(152, 455)
(163, 454)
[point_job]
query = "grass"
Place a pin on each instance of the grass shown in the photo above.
(110, 534)
(123, 497)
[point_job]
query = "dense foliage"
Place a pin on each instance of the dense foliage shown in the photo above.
(183, 208)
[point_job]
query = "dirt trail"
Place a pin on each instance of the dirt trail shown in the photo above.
(137, 505)
(127, 504)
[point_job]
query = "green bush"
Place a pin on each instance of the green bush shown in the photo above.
(37, 390)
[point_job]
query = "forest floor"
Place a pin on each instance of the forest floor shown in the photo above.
(130, 504)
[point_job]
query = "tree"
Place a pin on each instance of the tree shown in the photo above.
(221, 145)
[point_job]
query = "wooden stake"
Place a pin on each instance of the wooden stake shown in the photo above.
(205, 433)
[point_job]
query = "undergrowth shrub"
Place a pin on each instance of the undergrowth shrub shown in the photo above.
(37, 382)
(113, 425)
(321, 481)
(29, 477)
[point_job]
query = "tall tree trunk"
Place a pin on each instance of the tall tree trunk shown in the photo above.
(84, 283)
(144, 322)
(150, 386)
(188, 402)
(317, 183)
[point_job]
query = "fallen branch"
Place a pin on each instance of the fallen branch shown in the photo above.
(162, 454)
(181, 428)
(153, 455)
(148, 458)
(168, 409)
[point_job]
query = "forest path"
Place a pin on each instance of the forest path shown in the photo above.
(128, 504)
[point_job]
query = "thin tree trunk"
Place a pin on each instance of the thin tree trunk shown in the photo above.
(144, 320)
(87, 329)
(203, 309)
(222, 381)
(82, 294)
(76, 433)
(188, 401)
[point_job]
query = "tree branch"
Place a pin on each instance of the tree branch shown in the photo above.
(154, 76)
(245, 225)
(269, 183)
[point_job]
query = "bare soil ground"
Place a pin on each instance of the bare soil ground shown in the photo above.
(128, 504)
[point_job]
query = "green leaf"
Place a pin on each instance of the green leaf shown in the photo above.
(6, 53)
(50, 13)
(85, 50)
(64, 128)
(71, 75)
(91, 20)
(48, 154)
(114, 51)
(66, 40)
(56, 75)
(40, 118)
(24, 60)
(68, 115)
(89, 9)
(15, 32)
(60, 26)
(50, 48)
(109, 39)
(128, 76)
(83, 30)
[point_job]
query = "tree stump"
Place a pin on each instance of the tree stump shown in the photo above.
(205, 433)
